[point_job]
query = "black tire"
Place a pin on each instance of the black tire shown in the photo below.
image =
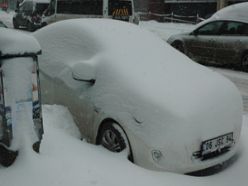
(178, 45)
(111, 138)
(244, 62)
(15, 25)
(43, 24)
(7, 157)
(30, 27)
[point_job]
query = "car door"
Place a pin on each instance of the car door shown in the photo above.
(73, 94)
(229, 45)
(201, 43)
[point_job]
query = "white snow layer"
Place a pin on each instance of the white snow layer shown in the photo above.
(65, 160)
(236, 12)
(17, 43)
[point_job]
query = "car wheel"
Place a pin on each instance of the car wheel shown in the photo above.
(16, 26)
(7, 157)
(244, 62)
(30, 27)
(111, 138)
(178, 45)
(43, 24)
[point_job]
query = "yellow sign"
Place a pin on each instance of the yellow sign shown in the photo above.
(120, 12)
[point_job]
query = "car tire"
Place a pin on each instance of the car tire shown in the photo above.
(244, 62)
(111, 138)
(43, 24)
(178, 45)
(15, 25)
(30, 27)
(112, 132)
(7, 157)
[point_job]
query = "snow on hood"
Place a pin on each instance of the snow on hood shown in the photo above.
(16, 43)
(136, 69)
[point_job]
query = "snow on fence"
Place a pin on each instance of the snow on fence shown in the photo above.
(170, 17)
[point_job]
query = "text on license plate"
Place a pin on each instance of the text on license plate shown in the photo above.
(217, 143)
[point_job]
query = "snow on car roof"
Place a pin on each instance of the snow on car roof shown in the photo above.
(237, 12)
(126, 55)
(16, 43)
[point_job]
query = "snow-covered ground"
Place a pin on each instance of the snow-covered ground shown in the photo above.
(66, 160)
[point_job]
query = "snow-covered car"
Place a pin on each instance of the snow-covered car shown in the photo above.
(127, 89)
(29, 14)
(220, 40)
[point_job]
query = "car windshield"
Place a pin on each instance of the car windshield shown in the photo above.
(120, 7)
(41, 7)
(26, 6)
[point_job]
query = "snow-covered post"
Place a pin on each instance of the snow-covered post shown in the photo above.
(20, 104)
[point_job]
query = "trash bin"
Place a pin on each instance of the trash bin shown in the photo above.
(20, 102)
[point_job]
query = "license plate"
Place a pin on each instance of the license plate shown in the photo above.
(217, 144)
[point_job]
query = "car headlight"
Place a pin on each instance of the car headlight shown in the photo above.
(156, 155)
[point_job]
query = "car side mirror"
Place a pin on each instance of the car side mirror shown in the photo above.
(84, 72)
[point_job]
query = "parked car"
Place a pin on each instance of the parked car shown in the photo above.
(127, 89)
(220, 40)
(29, 14)
(66, 9)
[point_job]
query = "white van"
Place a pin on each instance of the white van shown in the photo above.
(68, 9)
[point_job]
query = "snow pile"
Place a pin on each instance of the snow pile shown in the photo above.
(17, 43)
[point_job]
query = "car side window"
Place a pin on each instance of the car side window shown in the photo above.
(234, 29)
(242, 29)
(212, 28)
